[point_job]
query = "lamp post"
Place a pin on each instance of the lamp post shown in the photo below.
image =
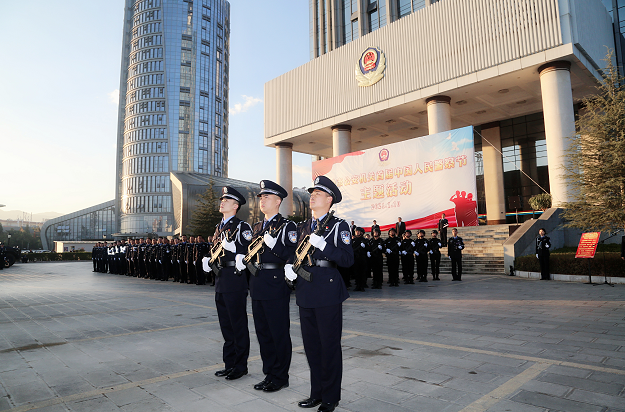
(9, 237)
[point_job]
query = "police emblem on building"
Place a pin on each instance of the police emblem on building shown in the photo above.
(371, 67)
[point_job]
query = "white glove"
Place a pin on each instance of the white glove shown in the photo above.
(416, 253)
(270, 240)
(186, 263)
(536, 255)
(425, 244)
(403, 252)
(460, 247)
(439, 244)
(318, 241)
(380, 247)
(238, 262)
(449, 257)
(205, 265)
(178, 261)
(412, 243)
(369, 254)
(229, 246)
(398, 243)
(288, 272)
(362, 245)
(547, 246)
(431, 252)
(388, 251)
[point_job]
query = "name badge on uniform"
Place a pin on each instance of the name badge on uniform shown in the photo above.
(247, 234)
(346, 237)
(292, 236)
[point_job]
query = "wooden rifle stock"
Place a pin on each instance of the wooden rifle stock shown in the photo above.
(305, 250)
(218, 251)
(256, 247)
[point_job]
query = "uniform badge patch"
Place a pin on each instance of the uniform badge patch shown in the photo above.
(317, 180)
(247, 234)
(346, 237)
(292, 236)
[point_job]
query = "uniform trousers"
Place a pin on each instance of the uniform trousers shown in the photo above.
(392, 261)
(456, 268)
(377, 265)
(191, 272)
(232, 314)
(407, 267)
(183, 272)
(422, 266)
(95, 263)
(321, 333)
(444, 237)
(543, 259)
(359, 270)
(435, 261)
(200, 275)
(272, 324)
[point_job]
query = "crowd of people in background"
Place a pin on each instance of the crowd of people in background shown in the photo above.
(180, 259)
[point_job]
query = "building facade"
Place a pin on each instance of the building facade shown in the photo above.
(513, 69)
(173, 105)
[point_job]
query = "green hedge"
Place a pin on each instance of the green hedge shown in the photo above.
(566, 264)
(56, 257)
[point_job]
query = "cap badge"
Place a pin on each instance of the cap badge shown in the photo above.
(317, 181)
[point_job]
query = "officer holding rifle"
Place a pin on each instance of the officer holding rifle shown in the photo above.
(324, 244)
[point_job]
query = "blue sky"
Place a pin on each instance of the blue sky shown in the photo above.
(58, 106)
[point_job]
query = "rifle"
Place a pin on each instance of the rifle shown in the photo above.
(218, 251)
(257, 247)
(305, 250)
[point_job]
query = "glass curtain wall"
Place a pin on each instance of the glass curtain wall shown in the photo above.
(94, 225)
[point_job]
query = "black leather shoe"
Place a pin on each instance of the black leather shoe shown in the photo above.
(262, 384)
(309, 403)
(273, 387)
(224, 372)
(236, 375)
(327, 407)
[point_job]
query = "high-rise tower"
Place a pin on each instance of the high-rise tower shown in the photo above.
(173, 105)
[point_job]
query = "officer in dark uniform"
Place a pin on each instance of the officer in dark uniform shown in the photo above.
(454, 250)
(182, 263)
(175, 260)
(391, 247)
(141, 258)
(321, 300)
(435, 245)
(361, 252)
(94, 257)
(421, 256)
(201, 249)
(376, 247)
(543, 244)
(443, 224)
(269, 290)
(135, 258)
(230, 287)
(374, 227)
(407, 257)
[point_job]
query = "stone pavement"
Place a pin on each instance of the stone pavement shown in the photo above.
(73, 340)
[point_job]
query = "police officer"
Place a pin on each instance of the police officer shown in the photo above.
(543, 244)
(376, 246)
(361, 252)
(175, 260)
(269, 290)
(94, 257)
(421, 256)
(443, 224)
(141, 258)
(454, 250)
(321, 300)
(230, 287)
(182, 263)
(435, 245)
(391, 247)
(201, 249)
(407, 257)
(374, 227)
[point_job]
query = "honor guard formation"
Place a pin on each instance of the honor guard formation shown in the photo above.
(317, 258)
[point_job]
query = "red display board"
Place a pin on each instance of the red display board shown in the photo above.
(588, 245)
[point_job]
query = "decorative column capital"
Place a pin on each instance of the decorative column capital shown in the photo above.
(557, 65)
(345, 127)
(438, 99)
(285, 145)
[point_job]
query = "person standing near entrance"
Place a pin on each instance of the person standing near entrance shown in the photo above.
(443, 224)
(400, 228)
(320, 298)
(230, 287)
(268, 288)
(375, 227)
(454, 250)
(543, 244)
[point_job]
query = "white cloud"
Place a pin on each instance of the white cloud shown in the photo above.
(245, 106)
(300, 170)
(454, 145)
(114, 96)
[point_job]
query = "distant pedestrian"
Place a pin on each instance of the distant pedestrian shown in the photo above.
(543, 244)
(374, 227)
(400, 228)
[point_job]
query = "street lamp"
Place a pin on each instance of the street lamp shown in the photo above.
(9, 236)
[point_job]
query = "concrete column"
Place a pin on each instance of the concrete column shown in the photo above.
(493, 174)
(341, 139)
(557, 96)
(439, 114)
(284, 175)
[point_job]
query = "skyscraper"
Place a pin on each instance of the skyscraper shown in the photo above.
(173, 105)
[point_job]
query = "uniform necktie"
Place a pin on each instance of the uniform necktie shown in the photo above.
(314, 225)
(221, 225)
(264, 223)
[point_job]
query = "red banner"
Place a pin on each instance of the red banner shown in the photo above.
(588, 245)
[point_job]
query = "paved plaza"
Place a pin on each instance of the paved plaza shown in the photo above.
(73, 340)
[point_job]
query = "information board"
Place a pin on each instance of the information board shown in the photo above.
(588, 245)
